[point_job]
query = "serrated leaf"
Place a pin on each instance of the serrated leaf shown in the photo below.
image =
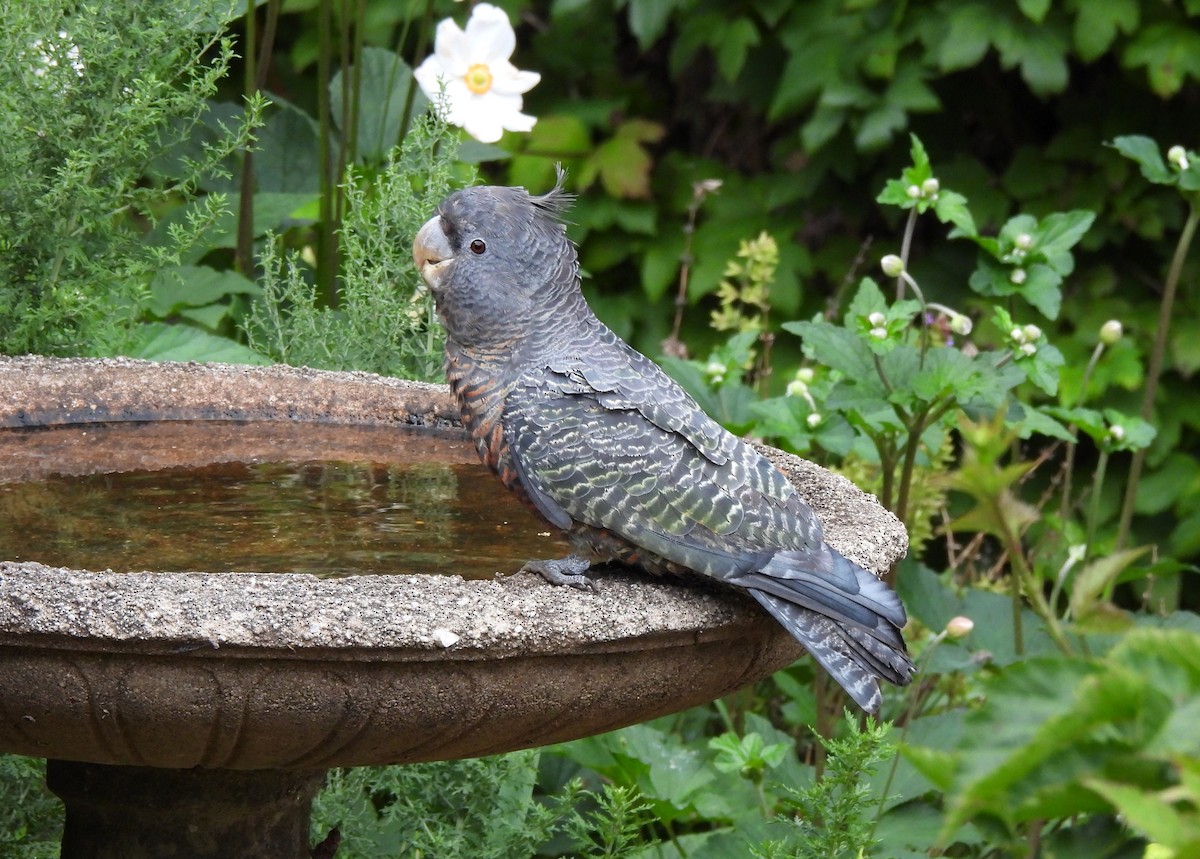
(1096, 25)
(835, 347)
(1057, 233)
(1146, 154)
(867, 300)
(195, 286)
(1043, 289)
(1150, 813)
(1169, 51)
(158, 341)
(951, 208)
(966, 37)
(622, 162)
(1096, 579)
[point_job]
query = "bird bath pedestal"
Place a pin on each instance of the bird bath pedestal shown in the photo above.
(194, 714)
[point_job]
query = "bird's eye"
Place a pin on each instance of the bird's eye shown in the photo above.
(478, 246)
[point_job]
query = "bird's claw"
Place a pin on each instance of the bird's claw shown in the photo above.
(563, 571)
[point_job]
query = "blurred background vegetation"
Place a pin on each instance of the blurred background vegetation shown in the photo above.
(742, 169)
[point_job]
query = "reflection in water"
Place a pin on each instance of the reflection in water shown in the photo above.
(323, 517)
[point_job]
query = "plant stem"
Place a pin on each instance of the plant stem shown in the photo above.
(327, 235)
(1166, 308)
(1069, 463)
(905, 244)
(1093, 517)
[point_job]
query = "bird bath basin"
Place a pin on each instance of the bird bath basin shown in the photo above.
(194, 713)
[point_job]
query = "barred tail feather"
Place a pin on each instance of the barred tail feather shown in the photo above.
(843, 615)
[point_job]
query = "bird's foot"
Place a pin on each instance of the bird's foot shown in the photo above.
(563, 571)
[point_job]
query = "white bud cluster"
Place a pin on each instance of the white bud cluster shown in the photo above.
(1177, 155)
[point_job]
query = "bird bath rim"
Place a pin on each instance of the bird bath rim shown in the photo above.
(262, 671)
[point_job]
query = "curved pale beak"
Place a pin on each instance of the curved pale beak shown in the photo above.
(432, 253)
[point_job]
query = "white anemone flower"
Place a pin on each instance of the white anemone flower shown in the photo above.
(482, 87)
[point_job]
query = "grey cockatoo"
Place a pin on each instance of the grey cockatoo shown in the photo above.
(603, 444)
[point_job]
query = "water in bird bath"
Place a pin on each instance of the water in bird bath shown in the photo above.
(261, 497)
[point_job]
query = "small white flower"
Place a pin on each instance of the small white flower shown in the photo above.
(892, 265)
(929, 188)
(805, 375)
(1111, 331)
(1017, 334)
(1024, 241)
(796, 388)
(1178, 156)
(959, 627)
(913, 191)
(716, 370)
(879, 333)
(1028, 349)
(877, 319)
(1116, 432)
(1017, 276)
(1032, 332)
(483, 88)
(813, 420)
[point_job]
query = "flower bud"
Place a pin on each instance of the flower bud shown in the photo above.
(1017, 334)
(1024, 241)
(879, 333)
(1116, 432)
(1028, 349)
(959, 627)
(877, 319)
(1017, 276)
(1111, 331)
(892, 265)
(913, 191)
(813, 420)
(796, 388)
(805, 375)
(960, 324)
(1032, 332)
(716, 370)
(929, 188)
(1177, 156)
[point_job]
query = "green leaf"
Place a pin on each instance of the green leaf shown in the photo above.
(158, 341)
(386, 82)
(966, 39)
(1169, 51)
(1034, 10)
(558, 136)
(1043, 289)
(951, 208)
(648, 19)
(1096, 25)
(622, 162)
(835, 347)
(195, 286)
(1153, 814)
(1057, 233)
(1145, 152)
(734, 45)
(1095, 581)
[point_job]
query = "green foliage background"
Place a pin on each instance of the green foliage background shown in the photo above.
(1001, 428)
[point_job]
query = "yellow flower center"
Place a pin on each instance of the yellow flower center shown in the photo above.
(479, 78)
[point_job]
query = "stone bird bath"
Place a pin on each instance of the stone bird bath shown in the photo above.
(194, 713)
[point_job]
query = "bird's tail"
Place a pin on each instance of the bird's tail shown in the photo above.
(845, 617)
